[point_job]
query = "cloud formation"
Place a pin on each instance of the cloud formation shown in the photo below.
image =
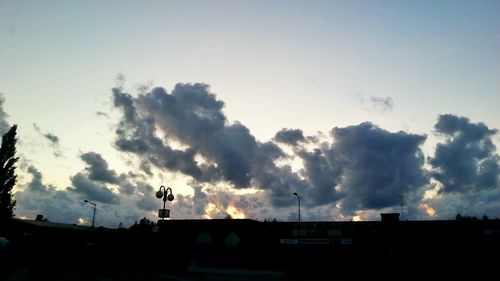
(377, 104)
(66, 205)
(4, 125)
(38, 198)
(356, 170)
(381, 104)
(214, 149)
(193, 117)
(36, 184)
(377, 166)
(466, 161)
(364, 167)
(92, 191)
(53, 140)
(289, 136)
(98, 168)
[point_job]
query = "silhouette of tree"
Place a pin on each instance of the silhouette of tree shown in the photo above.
(40, 217)
(8, 177)
(459, 217)
(228, 217)
(485, 217)
(144, 225)
(145, 221)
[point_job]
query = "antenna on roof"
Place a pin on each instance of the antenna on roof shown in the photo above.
(402, 204)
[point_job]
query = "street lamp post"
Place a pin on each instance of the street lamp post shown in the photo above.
(166, 194)
(93, 216)
(298, 197)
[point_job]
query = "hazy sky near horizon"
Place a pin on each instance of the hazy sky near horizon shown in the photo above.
(305, 65)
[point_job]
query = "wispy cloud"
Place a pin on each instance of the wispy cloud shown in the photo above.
(381, 104)
(53, 140)
(4, 125)
(376, 104)
(102, 114)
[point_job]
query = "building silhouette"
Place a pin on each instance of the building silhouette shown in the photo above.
(309, 251)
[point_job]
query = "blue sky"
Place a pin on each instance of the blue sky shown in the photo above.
(308, 65)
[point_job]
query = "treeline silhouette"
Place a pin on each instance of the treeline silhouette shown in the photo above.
(325, 249)
(460, 217)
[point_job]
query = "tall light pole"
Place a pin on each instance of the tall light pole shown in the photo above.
(298, 197)
(93, 216)
(162, 213)
(298, 236)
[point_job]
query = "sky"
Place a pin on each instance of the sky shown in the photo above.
(359, 107)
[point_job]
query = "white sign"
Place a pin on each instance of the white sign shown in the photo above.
(164, 213)
(289, 241)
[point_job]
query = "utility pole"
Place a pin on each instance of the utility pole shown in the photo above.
(93, 216)
(298, 197)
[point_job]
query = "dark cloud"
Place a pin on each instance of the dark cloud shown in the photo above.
(322, 174)
(4, 125)
(53, 140)
(90, 190)
(290, 136)
(467, 160)
(36, 184)
(365, 167)
(192, 116)
(129, 186)
(137, 134)
(376, 166)
(148, 203)
(98, 168)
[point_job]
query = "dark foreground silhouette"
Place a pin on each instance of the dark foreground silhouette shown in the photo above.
(250, 250)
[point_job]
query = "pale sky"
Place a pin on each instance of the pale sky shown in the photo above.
(308, 65)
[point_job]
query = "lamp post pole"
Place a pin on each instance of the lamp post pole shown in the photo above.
(93, 216)
(298, 197)
(166, 194)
